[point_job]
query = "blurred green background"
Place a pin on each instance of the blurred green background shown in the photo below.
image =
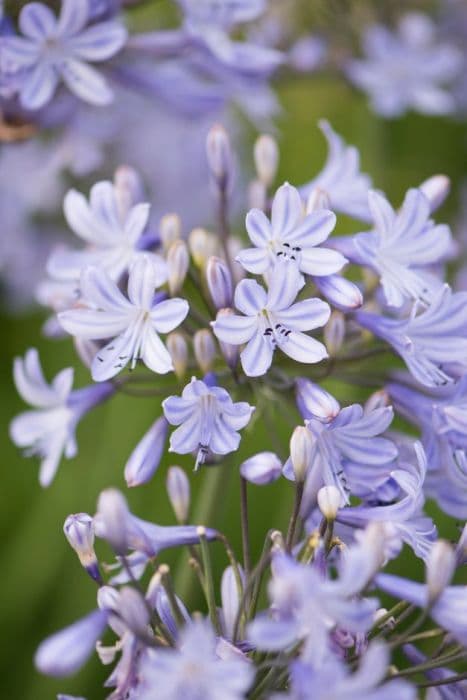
(42, 585)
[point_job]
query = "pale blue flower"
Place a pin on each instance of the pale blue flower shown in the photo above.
(111, 225)
(291, 234)
(208, 420)
(402, 246)
(195, 670)
(48, 431)
(133, 323)
(341, 179)
(273, 321)
(448, 691)
(407, 68)
(54, 49)
(433, 343)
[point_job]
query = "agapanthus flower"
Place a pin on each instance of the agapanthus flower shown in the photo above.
(447, 691)
(133, 323)
(291, 234)
(54, 49)
(195, 670)
(402, 246)
(407, 69)
(208, 420)
(111, 224)
(341, 179)
(348, 451)
(273, 321)
(48, 431)
(432, 343)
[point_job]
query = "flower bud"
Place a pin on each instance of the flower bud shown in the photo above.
(110, 521)
(178, 262)
(145, 458)
(257, 195)
(128, 189)
(461, 549)
(340, 292)
(205, 349)
(219, 282)
(170, 230)
(301, 447)
(79, 531)
(230, 352)
(262, 468)
(436, 189)
(318, 199)
(202, 245)
(334, 333)
(266, 154)
(440, 567)
(178, 490)
(329, 501)
(315, 402)
(219, 154)
(178, 349)
(132, 609)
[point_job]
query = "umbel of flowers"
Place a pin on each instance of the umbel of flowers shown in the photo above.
(234, 317)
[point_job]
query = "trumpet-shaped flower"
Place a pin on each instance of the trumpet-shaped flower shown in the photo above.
(431, 342)
(53, 49)
(133, 323)
(112, 225)
(48, 431)
(208, 420)
(273, 321)
(401, 247)
(290, 234)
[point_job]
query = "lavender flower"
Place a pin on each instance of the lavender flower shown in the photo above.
(272, 320)
(49, 430)
(291, 235)
(54, 49)
(402, 246)
(208, 420)
(431, 342)
(133, 324)
(407, 69)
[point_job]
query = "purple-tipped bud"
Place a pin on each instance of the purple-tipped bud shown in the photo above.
(315, 402)
(317, 200)
(341, 293)
(440, 568)
(170, 230)
(79, 531)
(178, 262)
(436, 189)
(110, 521)
(205, 349)
(266, 155)
(230, 352)
(334, 333)
(178, 349)
(262, 468)
(178, 490)
(219, 282)
(128, 189)
(219, 154)
(329, 501)
(301, 448)
(146, 457)
(133, 610)
(66, 651)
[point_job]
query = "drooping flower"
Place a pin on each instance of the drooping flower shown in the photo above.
(48, 431)
(54, 49)
(290, 234)
(208, 420)
(431, 343)
(133, 323)
(402, 246)
(195, 669)
(273, 321)
(111, 224)
(407, 68)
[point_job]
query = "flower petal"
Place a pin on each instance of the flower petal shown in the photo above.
(93, 325)
(85, 82)
(39, 86)
(258, 227)
(287, 210)
(98, 289)
(234, 329)
(37, 21)
(83, 220)
(73, 17)
(142, 282)
(303, 348)
(256, 358)
(169, 314)
(305, 315)
(154, 353)
(321, 261)
(250, 297)
(255, 260)
(99, 42)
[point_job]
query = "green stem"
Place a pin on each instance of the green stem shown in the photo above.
(295, 515)
(245, 526)
(207, 566)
